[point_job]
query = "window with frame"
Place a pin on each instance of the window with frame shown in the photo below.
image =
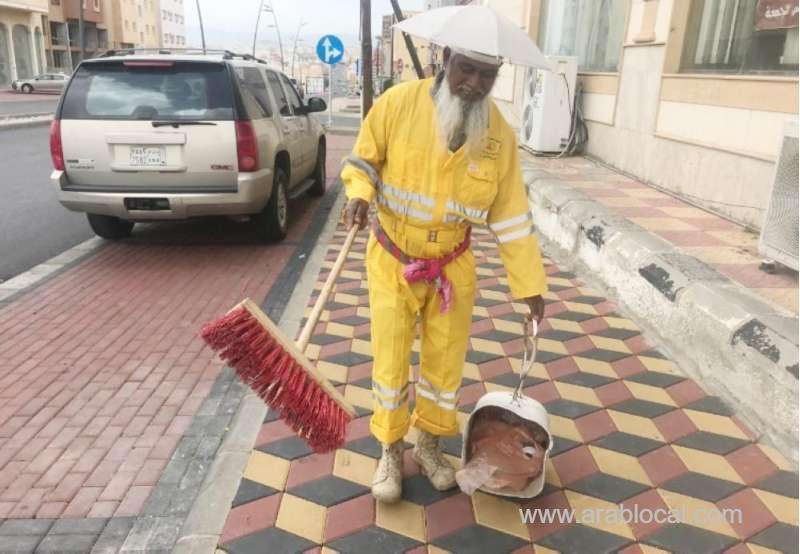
(592, 30)
(277, 93)
(294, 97)
(254, 92)
(742, 37)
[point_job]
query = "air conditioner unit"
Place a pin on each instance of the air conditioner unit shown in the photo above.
(548, 104)
(779, 233)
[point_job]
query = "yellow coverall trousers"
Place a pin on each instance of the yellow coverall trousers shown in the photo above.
(397, 309)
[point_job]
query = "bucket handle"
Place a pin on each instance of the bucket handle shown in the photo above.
(530, 330)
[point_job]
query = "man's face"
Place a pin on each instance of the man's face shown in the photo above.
(470, 80)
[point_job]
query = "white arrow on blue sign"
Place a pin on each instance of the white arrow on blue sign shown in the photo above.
(330, 49)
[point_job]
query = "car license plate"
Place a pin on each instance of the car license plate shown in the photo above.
(147, 156)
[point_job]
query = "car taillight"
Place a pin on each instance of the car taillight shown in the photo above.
(246, 146)
(56, 151)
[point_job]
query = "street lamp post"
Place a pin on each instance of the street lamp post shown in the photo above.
(268, 8)
(296, 36)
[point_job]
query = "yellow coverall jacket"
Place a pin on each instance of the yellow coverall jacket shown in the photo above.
(426, 197)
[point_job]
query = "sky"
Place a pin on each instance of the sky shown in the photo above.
(230, 23)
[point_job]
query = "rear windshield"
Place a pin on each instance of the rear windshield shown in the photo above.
(178, 91)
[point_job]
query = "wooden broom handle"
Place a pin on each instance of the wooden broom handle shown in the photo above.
(313, 318)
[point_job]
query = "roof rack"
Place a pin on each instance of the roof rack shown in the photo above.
(226, 54)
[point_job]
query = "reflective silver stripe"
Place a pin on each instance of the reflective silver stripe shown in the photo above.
(432, 397)
(390, 393)
(389, 405)
(406, 195)
(446, 395)
(404, 209)
(452, 218)
(469, 212)
(446, 400)
(508, 237)
(506, 223)
(363, 166)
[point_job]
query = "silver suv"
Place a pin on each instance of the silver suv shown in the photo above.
(158, 135)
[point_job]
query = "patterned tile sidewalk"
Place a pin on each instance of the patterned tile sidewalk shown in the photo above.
(729, 248)
(630, 430)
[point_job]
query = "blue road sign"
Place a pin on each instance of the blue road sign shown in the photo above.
(330, 49)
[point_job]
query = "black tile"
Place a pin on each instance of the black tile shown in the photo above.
(543, 356)
(561, 444)
(511, 379)
(365, 383)
(574, 316)
(513, 316)
(333, 306)
(614, 333)
(653, 353)
(329, 490)
(352, 320)
(373, 539)
(559, 335)
(497, 288)
(418, 489)
(348, 359)
(62, 544)
(272, 539)
(272, 415)
(563, 275)
(579, 539)
(781, 537)
(607, 487)
(361, 411)
(585, 379)
(711, 404)
(628, 444)
(686, 539)
(558, 288)
(289, 448)
(26, 527)
(656, 379)
(498, 336)
(467, 408)
(368, 446)
(478, 539)
(569, 408)
(19, 544)
(702, 486)
(711, 442)
(324, 339)
(452, 445)
(478, 357)
(587, 299)
(488, 302)
(466, 381)
(643, 408)
(781, 482)
(604, 355)
(249, 491)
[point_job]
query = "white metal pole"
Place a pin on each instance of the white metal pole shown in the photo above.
(330, 95)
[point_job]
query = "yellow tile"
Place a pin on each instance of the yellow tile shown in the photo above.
(539, 549)
(663, 224)
(564, 427)
(721, 254)
(550, 474)
(693, 508)
(576, 393)
(499, 514)
(339, 330)
(354, 467)
(648, 392)
(785, 297)
(707, 463)
(619, 465)
(508, 326)
(635, 425)
(647, 549)
(484, 271)
(471, 371)
(621, 323)
(348, 274)
(714, 423)
(687, 212)
(480, 311)
(344, 298)
(596, 366)
(550, 345)
(776, 457)
(361, 347)
(782, 507)
(610, 344)
(267, 469)
(301, 517)
(332, 371)
(565, 325)
(489, 346)
(493, 295)
(622, 202)
(402, 517)
(363, 311)
(494, 387)
(560, 281)
(735, 238)
(581, 308)
(596, 513)
(312, 351)
(657, 364)
(326, 550)
(436, 550)
(358, 396)
(756, 549)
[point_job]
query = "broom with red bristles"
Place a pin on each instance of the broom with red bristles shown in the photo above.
(278, 371)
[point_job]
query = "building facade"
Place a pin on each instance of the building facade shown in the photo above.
(22, 24)
(173, 25)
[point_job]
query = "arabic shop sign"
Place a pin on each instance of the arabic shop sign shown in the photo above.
(776, 14)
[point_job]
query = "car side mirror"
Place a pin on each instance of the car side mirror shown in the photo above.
(316, 104)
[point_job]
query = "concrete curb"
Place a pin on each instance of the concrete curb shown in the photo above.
(742, 347)
(203, 526)
(28, 120)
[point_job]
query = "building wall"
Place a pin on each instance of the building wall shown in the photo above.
(28, 15)
(173, 25)
(139, 23)
(403, 66)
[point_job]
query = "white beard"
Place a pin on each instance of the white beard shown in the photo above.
(455, 116)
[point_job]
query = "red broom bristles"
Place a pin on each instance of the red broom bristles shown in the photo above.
(276, 377)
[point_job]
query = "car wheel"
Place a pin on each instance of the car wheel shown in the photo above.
(272, 222)
(318, 188)
(27, 88)
(109, 227)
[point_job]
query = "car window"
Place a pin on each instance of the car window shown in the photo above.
(153, 90)
(254, 90)
(294, 98)
(278, 94)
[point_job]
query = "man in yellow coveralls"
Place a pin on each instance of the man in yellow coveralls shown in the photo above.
(437, 157)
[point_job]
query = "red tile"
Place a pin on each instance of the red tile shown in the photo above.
(662, 464)
(594, 325)
(738, 548)
(527, 549)
(751, 463)
(335, 348)
(251, 517)
(560, 367)
(691, 238)
(410, 467)
(470, 394)
(493, 368)
(448, 515)
(273, 431)
(359, 371)
(358, 429)
(647, 501)
(500, 309)
(685, 392)
(51, 510)
(481, 326)
(553, 501)
(613, 393)
(82, 502)
(595, 425)
(513, 347)
(626, 367)
(632, 549)
(308, 468)
(574, 464)
(552, 310)
(751, 516)
(745, 429)
(639, 211)
(637, 344)
(543, 392)
(103, 509)
(579, 344)
(674, 425)
(349, 517)
(133, 502)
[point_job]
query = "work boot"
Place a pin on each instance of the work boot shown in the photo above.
(432, 463)
(387, 484)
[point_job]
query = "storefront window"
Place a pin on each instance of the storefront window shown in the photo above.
(592, 30)
(5, 58)
(22, 51)
(37, 34)
(742, 36)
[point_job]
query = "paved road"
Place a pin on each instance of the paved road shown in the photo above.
(33, 225)
(340, 121)
(15, 103)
